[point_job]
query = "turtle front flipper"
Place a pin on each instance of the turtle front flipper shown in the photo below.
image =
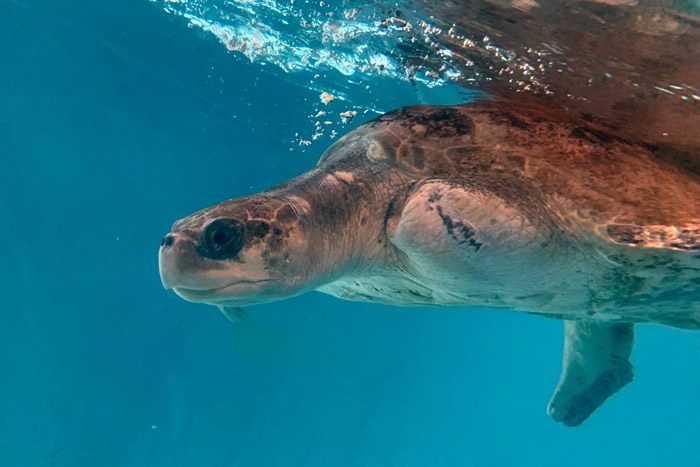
(233, 313)
(463, 237)
(596, 365)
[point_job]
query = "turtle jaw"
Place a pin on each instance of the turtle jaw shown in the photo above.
(240, 293)
(199, 279)
(181, 266)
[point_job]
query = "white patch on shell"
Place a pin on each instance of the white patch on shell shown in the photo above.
(376, 152)
(345, 176)
(331, 180)
(527, 5)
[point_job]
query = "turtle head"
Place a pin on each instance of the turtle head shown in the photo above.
(240, 252)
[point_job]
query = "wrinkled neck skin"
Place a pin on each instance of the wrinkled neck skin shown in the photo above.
(342, 214)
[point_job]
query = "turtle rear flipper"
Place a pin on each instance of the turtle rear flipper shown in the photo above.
(596, 365)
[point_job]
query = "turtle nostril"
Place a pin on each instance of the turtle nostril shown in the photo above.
(167, 241)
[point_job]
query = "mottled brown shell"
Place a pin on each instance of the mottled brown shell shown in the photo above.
(622, 191)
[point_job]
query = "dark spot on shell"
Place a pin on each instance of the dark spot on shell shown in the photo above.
(689, 240)
(403, 152)
(459, 155)
(412, 156)
(256, 229)
(578, 133)
(683, 246)
(437, 121)
(435, 195)
(393, 209)
(286, 214)
(390, 142)
(418, 157)
(686, 160)
(274, 243)
(518, 161)
(274, 262)
(620, 233)
(507, 118)
(595, 136)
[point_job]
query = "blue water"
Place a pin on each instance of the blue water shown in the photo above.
(116, 120)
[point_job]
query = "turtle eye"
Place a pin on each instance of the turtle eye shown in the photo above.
(223, 239)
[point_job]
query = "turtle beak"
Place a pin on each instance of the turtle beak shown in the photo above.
(172, 254)
(181, 265)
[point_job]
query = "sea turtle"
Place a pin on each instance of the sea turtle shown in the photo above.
(493, 204)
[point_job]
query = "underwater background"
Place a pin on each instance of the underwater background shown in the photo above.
(116, 119)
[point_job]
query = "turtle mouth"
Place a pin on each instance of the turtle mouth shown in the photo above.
(216, 295)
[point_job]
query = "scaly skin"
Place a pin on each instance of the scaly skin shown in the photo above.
(623, 221)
